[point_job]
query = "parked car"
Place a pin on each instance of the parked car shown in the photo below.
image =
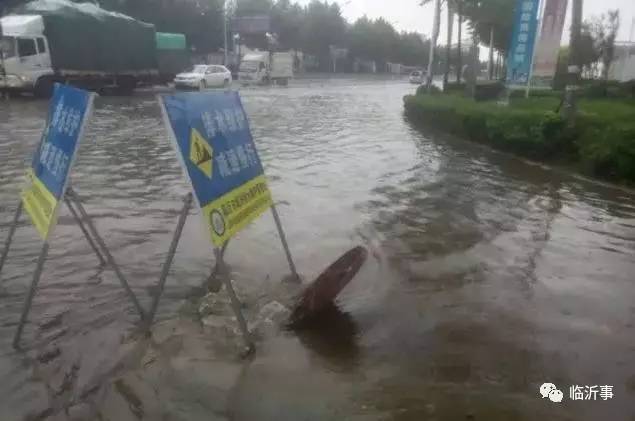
(203, 76)
(417, 77)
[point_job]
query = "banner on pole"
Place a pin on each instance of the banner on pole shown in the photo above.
(211, 136)
(521, 49)
(69, 110)
(546, 58)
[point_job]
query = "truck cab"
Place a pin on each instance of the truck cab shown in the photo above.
(265, 67)
(254, 68)
(26, 60)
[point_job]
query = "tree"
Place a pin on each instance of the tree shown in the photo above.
(253, 7)
(448, 46)
(604, 30)
(287, 20)
(323, 27)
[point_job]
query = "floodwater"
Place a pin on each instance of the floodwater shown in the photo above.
(487, 275)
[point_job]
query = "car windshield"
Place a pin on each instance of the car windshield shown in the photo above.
(200, 68)
(249, 66)
(416, 74)
(7, 46)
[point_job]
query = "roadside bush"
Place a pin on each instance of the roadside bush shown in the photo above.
(423, 90)
(488, 91)
(535, 93)
(602, 143)
(608, 89)
(454, 87)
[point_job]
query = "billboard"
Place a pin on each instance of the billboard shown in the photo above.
(546, 56)
(521, 49)
(251, 25)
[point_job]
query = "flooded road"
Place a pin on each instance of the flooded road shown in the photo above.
(487, 275)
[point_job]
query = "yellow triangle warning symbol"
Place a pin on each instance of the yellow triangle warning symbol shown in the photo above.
(201, 153)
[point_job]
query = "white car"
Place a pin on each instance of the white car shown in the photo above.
(203, 76)
(417, 77)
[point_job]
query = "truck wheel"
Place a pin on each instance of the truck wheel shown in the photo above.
(126, 85)
(44, 87)
(202, 85)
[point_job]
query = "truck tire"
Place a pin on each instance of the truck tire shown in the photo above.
(126, 85)
(44, 87)
(283, 82)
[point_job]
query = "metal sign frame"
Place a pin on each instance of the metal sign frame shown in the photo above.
(85, 223)
(220, 268)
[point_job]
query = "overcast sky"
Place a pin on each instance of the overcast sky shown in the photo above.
(408, 15)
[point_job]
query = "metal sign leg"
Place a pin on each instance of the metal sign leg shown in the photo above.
(29, 298)
(104, 248)
(213, 283)
(14, 226)
(285, 245)
(84, 230)
(168, 262)
(224, 273)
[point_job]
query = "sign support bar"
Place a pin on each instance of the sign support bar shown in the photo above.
(29, 299)
(14, 226)
(111, 261)
(285, 245)
(168, 261)
(226, 277)
(83, 228)
(220, 268)
(72, 201)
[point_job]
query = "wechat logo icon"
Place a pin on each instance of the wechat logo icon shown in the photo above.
(549, 390)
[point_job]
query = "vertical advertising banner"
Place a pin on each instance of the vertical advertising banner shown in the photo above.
(546, 58)
(211, 135)
(69, 110)
(521, 49)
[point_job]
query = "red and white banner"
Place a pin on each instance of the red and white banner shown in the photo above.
(546, 58)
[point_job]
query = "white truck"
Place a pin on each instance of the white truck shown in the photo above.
(263, 68)
(80, 44)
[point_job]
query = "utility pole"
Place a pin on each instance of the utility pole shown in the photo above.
(569, 108)
(459, 57)
(433, 41)
(3, 71)
(448, 47)
(490, 62)
(225, 32)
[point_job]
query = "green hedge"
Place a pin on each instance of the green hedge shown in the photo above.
(602, 143)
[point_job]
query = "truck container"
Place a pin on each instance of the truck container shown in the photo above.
(48, 41)
(263, 67)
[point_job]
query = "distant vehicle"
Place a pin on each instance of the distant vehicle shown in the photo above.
(262, 67)
(417, 77)
(86, 46)
(203, 76)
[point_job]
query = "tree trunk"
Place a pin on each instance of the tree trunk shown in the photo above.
(474, 66)
(448, 47)
(490, 62)
(459, 57)
(569, 108)
(433, 42)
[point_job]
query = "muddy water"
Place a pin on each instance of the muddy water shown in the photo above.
(488, 275)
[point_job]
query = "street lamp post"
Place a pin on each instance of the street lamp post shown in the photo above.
(433, 41)
(225, 32)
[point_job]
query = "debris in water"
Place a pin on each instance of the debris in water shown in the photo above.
(323, 291)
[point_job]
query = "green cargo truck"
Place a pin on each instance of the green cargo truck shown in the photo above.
(48, 41)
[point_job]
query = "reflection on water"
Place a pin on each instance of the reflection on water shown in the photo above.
(487, 275)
